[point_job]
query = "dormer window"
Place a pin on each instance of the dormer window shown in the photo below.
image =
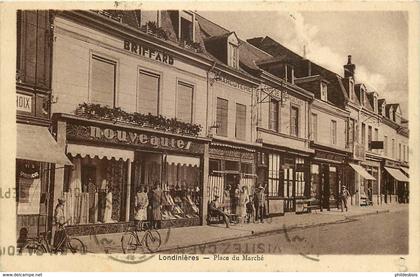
(324, 92)
(351, 89)
(362, 97)
(233, 55)
(186, 28)
(383, 109)
(150, 16)
(375, 103)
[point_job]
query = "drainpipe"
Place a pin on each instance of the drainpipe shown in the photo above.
(208, 94)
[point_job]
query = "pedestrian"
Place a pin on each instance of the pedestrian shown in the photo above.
(344, 194)
(214, 209)
(156, 204)
(243, 200)
(59, 218)
(250, 211)
(259, 199)
(141, 203)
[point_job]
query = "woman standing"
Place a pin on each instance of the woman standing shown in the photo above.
(156, 207)
(141, 203)
(243, 199)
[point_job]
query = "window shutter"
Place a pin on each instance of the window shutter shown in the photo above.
(103, 81)
(184, 102)
(240, 121)
(222, 116)
(148, 94)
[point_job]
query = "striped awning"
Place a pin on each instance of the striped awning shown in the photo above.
(176, 159)
(100, 152)
(362, 172)
(405, 170)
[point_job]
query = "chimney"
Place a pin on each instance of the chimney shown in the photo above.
(349, 68)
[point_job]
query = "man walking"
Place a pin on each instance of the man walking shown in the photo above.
(344, 194)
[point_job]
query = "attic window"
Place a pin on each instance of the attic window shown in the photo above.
(324, 92)
(186, 27)
(375, 104)
(383, 109)
(150, 16)
(233, 55)
(362, 97)
(351, 90)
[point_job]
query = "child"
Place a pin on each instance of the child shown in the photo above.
(250, 210)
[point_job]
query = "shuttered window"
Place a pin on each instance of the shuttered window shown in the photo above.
(294, 121)
(184, 108)
(222, 117)
(240, 121)
(148, 93)
(273, 122)
(103, 81)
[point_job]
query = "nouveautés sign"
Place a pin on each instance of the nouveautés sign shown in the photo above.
(133, 138)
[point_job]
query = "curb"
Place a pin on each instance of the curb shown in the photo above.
(289, 228)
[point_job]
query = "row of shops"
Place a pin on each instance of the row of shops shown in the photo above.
(108, 164)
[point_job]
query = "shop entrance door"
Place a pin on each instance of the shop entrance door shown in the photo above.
(325, 187)
(288, 187)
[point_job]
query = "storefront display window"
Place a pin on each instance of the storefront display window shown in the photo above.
(333, 183)
(273, 174)
(315, 185)
(300, 178)
(94, 191)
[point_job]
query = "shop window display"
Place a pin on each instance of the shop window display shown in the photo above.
(177, 181)
(94, 191)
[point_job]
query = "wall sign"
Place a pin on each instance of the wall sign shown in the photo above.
(23, 103)
(233, 83)
(133, 138)
(148, 52)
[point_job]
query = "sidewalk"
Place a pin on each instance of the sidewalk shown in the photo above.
(196, 235)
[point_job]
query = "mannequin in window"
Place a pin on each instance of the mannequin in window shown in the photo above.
(108, 201)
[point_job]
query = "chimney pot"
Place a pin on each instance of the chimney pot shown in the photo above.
(349, 59)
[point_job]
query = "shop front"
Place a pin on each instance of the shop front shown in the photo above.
(231, 173)
(327, 177)
(116, 164)
(370, 188)
(359, 180)
(33, 172)
(394, 183)
(287, 180)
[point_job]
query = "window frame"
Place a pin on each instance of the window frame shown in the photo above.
(187, 84)
(296, 129)
(158, 74)
(225, 134)
(324, 91)
(277, 118)
(236, 121)
(109, 60)
(314, 126)
(333, 132)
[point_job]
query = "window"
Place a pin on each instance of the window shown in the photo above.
(350, 134)
(362, 97)
(294, 121)
(333, 130)
(186, 27)
(300, 178)
(150, 16)
(233, 55)
(363, 135)
(273, 174)
(376, 137)
(393, 148)
(369, 137)
(148, 93)
(399, 151)
(222, 117)
(324, 92)
(102, 90)
(240, 123)
(385, 145)
(375, 104)
(314, 127)
(404, 153)
(273, 123)
(214, 165)
(184, 106)
(351, 90)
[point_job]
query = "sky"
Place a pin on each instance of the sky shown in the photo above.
(377, 41)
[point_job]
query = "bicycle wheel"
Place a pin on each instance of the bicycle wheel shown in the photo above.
(33, 247)
(75, 245)
(129, 243)
(153, 240)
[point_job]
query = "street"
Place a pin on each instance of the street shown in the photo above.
(375, 234)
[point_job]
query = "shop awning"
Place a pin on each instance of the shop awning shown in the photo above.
(362, 172)
(405, 170)
(183, 160)
(396, 174)
(100, 152)
(35, 143)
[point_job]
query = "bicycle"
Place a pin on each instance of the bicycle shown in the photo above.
(130, 240)
(40, 245)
